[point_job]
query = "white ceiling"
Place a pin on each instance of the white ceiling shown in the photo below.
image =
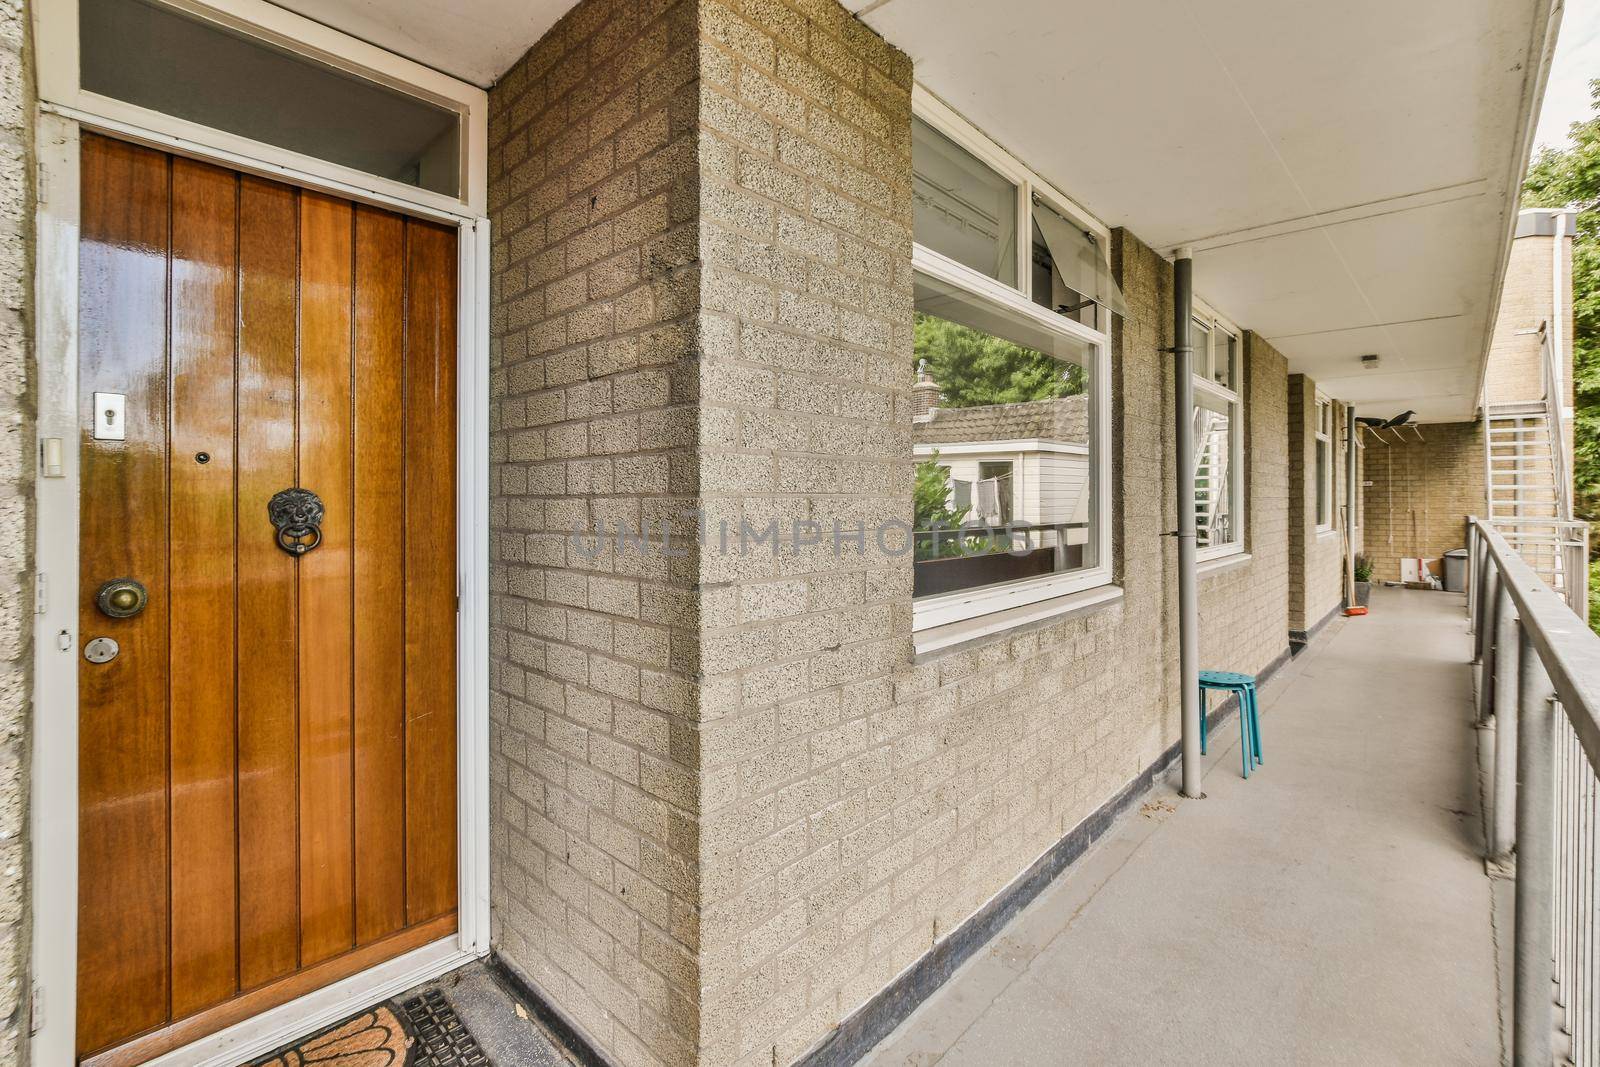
(474, 40)
(1345, 173)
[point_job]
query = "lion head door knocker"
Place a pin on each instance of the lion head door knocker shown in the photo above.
(297, 513)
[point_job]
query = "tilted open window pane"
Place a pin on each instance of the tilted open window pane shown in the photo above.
(1006, 477)
(1224, 359)
(1215, 458)
(1070, 275)
(1200, 341)
(1050, 289)
(962, 209)
(194, 69)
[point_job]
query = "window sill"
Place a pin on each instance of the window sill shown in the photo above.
(1330, 532)
(1221, 564)
(951, 634)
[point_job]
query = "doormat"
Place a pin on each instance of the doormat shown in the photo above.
(421, 1031)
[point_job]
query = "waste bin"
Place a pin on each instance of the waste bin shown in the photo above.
(1455, 571)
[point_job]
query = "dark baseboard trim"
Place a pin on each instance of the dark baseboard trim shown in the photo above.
(561, 1029)
(878, 1017)
(1299, 639)
(875, 1020)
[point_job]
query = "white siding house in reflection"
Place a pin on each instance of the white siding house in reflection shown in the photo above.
(1022, 463)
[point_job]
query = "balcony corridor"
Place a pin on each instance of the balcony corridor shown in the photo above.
(1332, 909)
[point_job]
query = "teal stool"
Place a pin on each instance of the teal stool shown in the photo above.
(1249, 713)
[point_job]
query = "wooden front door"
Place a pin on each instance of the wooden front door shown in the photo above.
(267, 766)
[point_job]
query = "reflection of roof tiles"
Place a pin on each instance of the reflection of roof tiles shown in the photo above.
(1065, 420)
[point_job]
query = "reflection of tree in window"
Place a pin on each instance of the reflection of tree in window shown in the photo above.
(938, 508)
(974, 369)
(1002, 437)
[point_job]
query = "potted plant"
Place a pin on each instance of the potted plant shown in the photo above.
(1363, 580)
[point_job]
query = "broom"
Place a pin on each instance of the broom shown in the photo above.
(1349, 577)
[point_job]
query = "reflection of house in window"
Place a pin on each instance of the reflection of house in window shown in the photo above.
(994, 491)
(1024, 466)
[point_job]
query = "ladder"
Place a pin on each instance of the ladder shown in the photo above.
(1210, 477)
(1524, 471)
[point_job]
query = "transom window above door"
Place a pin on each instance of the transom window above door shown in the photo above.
(253, 83)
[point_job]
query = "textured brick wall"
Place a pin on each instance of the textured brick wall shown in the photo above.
(861, 803)
(1421, 494)
(594, 201)
(16, 513)
(808, 853)
(1516, 370)
(1316, 557)
(731, 805)
(1526, 299)
(1244, 609)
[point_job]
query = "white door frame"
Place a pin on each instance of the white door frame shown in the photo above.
(54, 772)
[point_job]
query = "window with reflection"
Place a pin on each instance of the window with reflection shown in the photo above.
(1005, 438)
(1218, 441)
(1324, 465)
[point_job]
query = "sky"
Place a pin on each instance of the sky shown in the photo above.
(1577, 60)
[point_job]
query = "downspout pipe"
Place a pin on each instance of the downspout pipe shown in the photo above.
(1350, 505)
(1188, 600)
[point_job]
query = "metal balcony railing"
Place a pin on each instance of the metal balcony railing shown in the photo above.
(1539, 684)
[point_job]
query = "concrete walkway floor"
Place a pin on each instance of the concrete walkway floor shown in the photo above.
(1331, 910)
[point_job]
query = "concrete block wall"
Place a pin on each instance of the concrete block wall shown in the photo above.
(826, 805)
(1421, 494)
(1245, 607)
(1144, 558)
(862, 802)
(1316, 557)
(806, 244)
(1515, 371)
(594, 199)
(17, 445)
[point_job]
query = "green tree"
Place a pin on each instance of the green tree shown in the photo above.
(974, 369)
(1594, 595)
(1570, 177)
(930, 496)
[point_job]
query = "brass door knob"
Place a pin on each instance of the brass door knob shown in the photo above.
(121, 598)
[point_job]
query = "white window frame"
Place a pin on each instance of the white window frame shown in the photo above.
(946, 608)
(1204, 384)
(945, 120)
(56, 31)
(1326, 500)
(54, 779)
